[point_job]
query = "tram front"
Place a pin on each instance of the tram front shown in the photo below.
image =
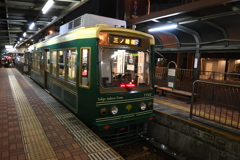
(125, 101)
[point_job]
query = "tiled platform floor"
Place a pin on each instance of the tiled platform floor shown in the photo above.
(20, 105)
(62, 141)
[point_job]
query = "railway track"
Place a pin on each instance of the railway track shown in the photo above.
(144, 150)
(138, 151)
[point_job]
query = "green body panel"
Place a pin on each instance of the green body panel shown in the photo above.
(129, 112)
(37, 75)
(86, 103)
(122, 123)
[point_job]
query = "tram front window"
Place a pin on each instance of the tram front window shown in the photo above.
(124, 67)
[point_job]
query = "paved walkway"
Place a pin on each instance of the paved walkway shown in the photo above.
(31, 129)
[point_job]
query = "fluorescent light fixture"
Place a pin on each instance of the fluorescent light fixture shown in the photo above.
(155, 20)
(11, 50)
(8, 46)
(172, 26)
(47, 6)
(30, 48)
(32, 25)
(190, 21)
(24, 34)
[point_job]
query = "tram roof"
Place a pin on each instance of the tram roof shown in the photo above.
(92, 32)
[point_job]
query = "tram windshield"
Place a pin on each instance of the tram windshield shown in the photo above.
(124, 68)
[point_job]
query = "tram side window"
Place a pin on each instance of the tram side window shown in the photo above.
(85, 67)
(48, 62)
(54, 62)
(38, 60)
(27, 58)
(33, 60)
(41, 60)
(61, 64)
(71, 56)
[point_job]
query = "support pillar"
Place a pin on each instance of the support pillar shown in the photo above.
(197, 64)
(197, 58)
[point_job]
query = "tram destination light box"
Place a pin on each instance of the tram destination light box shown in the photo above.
(113, 39)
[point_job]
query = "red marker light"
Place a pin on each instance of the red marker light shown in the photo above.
(127, 85)
(151, 118)
(106, 127)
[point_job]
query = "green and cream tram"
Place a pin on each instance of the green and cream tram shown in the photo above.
(104, 75)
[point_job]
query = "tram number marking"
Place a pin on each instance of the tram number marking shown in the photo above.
(147, 94)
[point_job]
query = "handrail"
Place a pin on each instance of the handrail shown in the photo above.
(213, 108)
(215, 83)
(184, 76)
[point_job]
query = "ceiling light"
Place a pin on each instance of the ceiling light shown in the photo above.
(189, 21)
(24, 34)
(8, 46)
(155, 20)
(20, 39)
(32, 25)
(47, 6)
(172, 26)
(11, 50)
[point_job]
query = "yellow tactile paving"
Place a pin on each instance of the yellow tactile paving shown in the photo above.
(68, 136)
(172, 105)
(36, 147)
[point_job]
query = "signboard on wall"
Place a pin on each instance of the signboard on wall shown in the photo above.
(171, 75)
(171, 78)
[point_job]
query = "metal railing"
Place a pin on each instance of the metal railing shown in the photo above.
(184, 78)
(216, 102)
(220, 77)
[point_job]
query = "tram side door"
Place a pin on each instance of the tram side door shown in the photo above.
(46, 68)
(41, 65)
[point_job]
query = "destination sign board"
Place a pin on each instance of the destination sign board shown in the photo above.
(124, 40)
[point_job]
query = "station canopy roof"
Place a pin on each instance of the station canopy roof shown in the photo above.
(16, 17)
(205, 25)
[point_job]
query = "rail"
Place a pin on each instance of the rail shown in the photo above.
(184, 78)
(220, 77)
(216, 102)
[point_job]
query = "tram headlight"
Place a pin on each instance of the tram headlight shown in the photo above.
(103, 111)
(150, 105)
(114, 110)
(143, 106)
